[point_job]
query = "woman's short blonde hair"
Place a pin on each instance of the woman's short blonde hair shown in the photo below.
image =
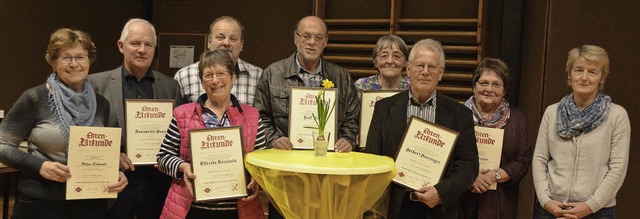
(590, 53)
(65, 38)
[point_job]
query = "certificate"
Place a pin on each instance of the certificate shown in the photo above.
(93, 161)
(147, 122)
(303, 106)
(367, 104)
(216, 155)
(489, 142)
(423, 154)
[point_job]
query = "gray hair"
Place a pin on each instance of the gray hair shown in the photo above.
(125, 29)
(216, 57)
(432, 45)
(389, 41)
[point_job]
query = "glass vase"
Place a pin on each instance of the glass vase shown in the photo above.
(320, 143)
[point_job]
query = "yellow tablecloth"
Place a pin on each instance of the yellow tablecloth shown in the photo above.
(341, 185)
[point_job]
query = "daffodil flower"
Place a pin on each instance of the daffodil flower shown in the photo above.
(326, 83)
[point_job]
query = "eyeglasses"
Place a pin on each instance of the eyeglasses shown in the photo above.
(385, 56)
(494, 85)
(430, 68)
(68, 59)
(219, 75)
(308, 37)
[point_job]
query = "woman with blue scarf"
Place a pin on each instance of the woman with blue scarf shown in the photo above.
(582, 151)
(42, 116)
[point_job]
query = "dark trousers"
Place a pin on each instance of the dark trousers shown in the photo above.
(274, 213)
(605, 213)
(34, 208)
(144, 196)
(199, 213)
(412, 209)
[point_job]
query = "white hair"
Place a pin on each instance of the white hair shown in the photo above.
(125, 29)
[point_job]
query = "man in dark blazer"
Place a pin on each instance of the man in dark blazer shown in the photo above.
(425, 68)
(147, 190)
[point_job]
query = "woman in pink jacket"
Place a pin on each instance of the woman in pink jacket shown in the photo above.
(216, 108)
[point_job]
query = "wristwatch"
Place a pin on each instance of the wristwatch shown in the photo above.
(498, 176)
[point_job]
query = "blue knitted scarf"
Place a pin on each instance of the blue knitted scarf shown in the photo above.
(71, 108)
(570, 122)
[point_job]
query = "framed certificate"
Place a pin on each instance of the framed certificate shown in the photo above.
(367, 104)
(303, 106)
(423, 154)
(489, 142)
(93, 161)
(216, 155)
(147, 122)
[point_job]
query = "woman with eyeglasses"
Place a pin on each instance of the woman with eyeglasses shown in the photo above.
(42, 116)
(217, 107)
(582, 150)
(490, 109)
(389, 58)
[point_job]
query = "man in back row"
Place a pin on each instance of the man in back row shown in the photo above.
(305, 68)
(224, 33)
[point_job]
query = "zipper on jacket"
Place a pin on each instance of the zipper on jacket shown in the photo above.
(574, 171)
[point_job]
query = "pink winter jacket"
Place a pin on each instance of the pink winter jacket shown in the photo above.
(189, 116)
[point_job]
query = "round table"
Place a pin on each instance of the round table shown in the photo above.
(341, 185)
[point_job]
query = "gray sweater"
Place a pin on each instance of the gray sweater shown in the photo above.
(32, 119)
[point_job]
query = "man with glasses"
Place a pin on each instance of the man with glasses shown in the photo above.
(305, 68)
(425, 69)
(224, 33)
(147, 189)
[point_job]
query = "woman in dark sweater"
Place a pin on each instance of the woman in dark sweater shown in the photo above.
(42, 116)
(491, 110)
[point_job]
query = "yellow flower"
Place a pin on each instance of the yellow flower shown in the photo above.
(326, 83)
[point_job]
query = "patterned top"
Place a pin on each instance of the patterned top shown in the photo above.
(372, 83)
(244, 88)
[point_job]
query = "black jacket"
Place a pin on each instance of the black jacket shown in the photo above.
(385, 134)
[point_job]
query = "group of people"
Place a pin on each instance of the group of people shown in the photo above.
(579, 162)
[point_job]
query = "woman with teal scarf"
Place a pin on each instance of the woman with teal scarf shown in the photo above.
(42, 116)
(582, 150)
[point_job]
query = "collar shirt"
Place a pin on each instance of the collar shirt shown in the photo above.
(426, 110)
(309, 79)
(134, 89)
(247, 77)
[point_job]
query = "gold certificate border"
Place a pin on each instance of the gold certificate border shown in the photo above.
(334, 133)
(126, 134)
(196, 195)
(415, 120)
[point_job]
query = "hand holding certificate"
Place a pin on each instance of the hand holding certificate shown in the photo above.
(217, 162)
(489, 141)
(423, 154)
(93, 161)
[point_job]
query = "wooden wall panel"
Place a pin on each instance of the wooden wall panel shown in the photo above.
(531, 84)
(268, 25)
(27, 25)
